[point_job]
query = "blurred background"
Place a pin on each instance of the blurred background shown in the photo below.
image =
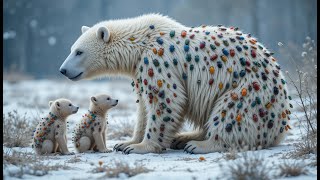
(38, 34)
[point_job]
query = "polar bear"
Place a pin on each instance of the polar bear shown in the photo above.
(50, 134)
(90, 133)
(223, 81)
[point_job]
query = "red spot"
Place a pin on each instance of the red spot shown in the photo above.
(232, 52)
(213, 57)
(150, 72)
(256, 86)
(253, 53)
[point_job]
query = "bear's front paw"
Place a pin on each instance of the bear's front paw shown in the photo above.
(68, 153)
(142, 148)
(179, 143)
(122, 145)
(200, 147)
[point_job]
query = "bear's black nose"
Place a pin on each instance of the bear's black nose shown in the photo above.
(63, 71)
(117, 100)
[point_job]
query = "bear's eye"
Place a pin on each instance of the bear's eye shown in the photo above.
(78, 53)
(108, 99)
(69, 104)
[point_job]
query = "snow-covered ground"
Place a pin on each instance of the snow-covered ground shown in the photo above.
(32, 97)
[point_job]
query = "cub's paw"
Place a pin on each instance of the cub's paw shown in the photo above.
(105, 151)
(121, 146)
(143, 148)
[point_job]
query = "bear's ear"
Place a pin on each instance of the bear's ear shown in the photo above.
(58, 105)
(103, 33)
(94, 99)
(84, 29)
(50, 102)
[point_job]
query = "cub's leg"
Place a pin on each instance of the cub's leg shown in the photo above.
(180, 141)
(47, 147)
(97, 136)
(63, 145)
(139, 128)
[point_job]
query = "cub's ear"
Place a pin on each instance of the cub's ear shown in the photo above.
(84, 29)
(94, 99)
(58, 105)
(50, 103)
(103, 33)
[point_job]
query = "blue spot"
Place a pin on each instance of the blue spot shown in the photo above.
(242, 73)
(174, 86)
(151, 26)
(219, 63)
(242, 61)
(184, 76)
(239, 48)
(245, 47)
(146, 61)
(207, 32)
(171, 48)
(216, 123)
(175, 61)
(225, 52)
(186, 48)
(235, 74)
(159, 40)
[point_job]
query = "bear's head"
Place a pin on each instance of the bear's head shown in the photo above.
(62, 108)
(102, 49)
(101, 103)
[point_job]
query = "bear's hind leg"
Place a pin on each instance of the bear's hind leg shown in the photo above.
(180, 141)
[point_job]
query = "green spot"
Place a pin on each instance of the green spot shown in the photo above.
(196, 58)
(213, 47)
(187, 42)
(166, 119)
(188, 57)
(172, 33)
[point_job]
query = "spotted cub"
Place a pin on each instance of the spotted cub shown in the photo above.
(90, 133)
(50, 134)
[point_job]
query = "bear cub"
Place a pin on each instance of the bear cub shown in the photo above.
(50, 134)
(90, 132)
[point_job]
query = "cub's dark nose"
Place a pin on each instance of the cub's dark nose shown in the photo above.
(77, 107)
(117, 100)
(63, 71)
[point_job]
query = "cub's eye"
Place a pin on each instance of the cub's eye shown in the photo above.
(79, 53)
(69, 104)
(108, 99)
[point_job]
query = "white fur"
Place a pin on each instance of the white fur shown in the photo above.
(132, 40)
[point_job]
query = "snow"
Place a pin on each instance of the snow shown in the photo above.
(9, 35)
(32, 97)
(33, 23)
(52, 41)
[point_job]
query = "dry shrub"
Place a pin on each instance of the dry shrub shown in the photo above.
(247, 167)
(304, 85)
(308, 145)
(17, 130)
(120, 130)
(119, 169)
(28, 163)
(293, 169)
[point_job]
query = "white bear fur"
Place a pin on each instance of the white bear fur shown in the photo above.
(131, 40)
